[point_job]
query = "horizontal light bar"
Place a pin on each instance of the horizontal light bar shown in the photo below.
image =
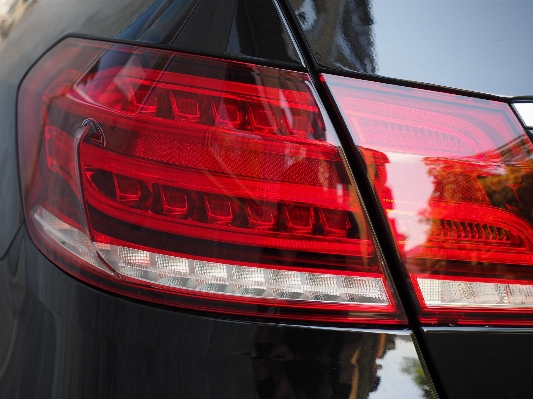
(203, 276)
(439, 292)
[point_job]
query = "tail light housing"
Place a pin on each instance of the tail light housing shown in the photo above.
(194, 182)
(454, 177)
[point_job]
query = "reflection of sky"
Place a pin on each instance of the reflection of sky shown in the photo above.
(5, 6)
(402, 171)
(394, 383)
(480, 45)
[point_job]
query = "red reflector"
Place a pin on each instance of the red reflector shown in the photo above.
(455, 178)
(196, 182)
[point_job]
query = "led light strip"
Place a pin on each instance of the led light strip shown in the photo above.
(439, 292)
(221, 278)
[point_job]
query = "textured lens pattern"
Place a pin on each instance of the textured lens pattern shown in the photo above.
(465, 293)
(70, 238)
(215, 277)
(243, 280)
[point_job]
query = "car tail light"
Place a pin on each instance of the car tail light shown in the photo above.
(195, 182)
(454, 176)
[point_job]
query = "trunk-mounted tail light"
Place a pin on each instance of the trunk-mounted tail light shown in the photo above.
(195, 182)
(455, 178)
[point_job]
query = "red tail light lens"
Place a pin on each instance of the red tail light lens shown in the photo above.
(454, 175)
(195, 182)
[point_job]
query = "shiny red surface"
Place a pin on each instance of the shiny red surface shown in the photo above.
(197, 158)
(454, 176)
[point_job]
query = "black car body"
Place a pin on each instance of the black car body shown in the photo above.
(64, 334)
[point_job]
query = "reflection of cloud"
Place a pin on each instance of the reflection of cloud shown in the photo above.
(6, 6)
(11, 11)
(307, 14)
(408, 199)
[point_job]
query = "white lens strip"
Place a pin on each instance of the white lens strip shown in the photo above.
(242, 280)
(199, 275)
(454, 293)
(68, 237)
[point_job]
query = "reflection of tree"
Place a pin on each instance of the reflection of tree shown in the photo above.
(340, 32)
(511, 189)
(412, 367)
(506, 185)
(480, 205)
(455, 181)
(290, 363)
(502, 185)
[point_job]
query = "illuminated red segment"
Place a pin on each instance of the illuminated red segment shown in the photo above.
(195, 182)
(455, 178)
(175, 201)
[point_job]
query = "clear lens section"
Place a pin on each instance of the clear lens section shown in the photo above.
(438, 292)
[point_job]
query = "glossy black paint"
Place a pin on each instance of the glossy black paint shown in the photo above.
(60, 338)
(339, 33)
(30, 34)
(483, 363)
(481, 46)
(160, 22)
(253, 30)
(235, 28)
